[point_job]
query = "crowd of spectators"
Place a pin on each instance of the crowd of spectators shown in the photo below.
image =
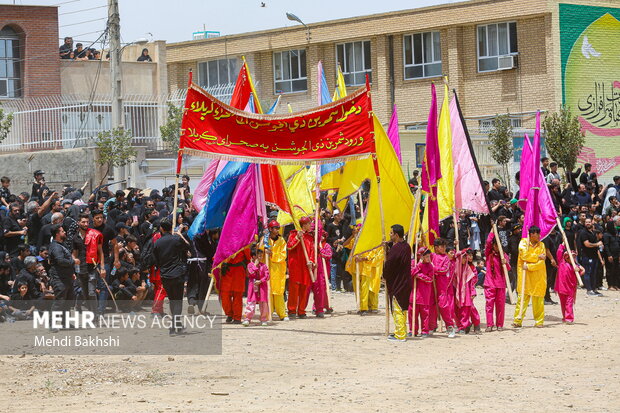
(80, 53)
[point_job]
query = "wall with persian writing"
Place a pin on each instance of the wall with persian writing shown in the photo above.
(590, 59)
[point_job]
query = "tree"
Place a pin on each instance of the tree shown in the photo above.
(501, 144)
(6, 121)
(171, 130)
(114, 149)
(563, 138)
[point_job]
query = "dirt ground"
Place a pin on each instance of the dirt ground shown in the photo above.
(344, 363)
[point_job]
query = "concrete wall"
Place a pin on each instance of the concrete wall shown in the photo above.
(67, 166)
(139, 78)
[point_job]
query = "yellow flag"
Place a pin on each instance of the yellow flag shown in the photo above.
(395, 193)
(298, 185)
(445, 185)
(353, 175)
(341, 86)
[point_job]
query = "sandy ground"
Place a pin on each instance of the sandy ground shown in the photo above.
(343, 363)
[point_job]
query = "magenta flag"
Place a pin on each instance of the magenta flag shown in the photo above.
(431, 167)
(468, 190)
(525, 172)
(540, 210)
(393, 134)
(240, 225)
(431, 170)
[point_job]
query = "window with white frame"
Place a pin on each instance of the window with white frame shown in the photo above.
(422, 52)
(217, 72)
(10, 69)
(497, 46)
(289, 71)
(354, 61)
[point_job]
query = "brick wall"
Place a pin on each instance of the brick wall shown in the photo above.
(38, 30)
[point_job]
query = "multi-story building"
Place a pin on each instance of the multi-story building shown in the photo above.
(501, 56)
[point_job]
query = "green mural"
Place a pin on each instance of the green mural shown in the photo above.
(590, 58)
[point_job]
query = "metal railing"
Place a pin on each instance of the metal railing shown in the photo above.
(58, 122)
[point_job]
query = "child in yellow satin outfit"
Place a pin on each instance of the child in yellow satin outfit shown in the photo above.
(531, 264)
(370, 266)
(277, 268)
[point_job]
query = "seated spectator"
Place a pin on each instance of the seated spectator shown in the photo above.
(144, 57)
(124, 290)
(21, 304)
(66, 49)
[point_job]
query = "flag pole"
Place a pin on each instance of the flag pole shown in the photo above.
(204, 306)
(511, 298)
(570, 253)
(416, 207)
(456, 231)
(316, 220)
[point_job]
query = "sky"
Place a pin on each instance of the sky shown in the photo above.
(175, 21)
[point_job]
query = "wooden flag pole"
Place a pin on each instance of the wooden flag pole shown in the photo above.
(456, 231)
(416, 210)
(316, 220)
(176, 202)
(204, 306)
(269, 300)
(413, 312)
(327, 288)
(358, 285)
(522, 310)
(387, 298)
(511, 297)
(570, 253)
(303, 247)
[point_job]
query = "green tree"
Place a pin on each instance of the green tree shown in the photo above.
(6, 121)
(563, 138)
(501, 144)
(114, 149)
(171, 130)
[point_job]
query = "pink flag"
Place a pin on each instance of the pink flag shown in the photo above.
(240, 225)
(468, 190)
(201, 191)
(393, 135)
(540, 210)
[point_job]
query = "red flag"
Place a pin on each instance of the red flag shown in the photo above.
(274, 190)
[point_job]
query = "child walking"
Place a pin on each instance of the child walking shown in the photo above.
(258, 275)
(422, 274)
(495, 284)
(566, 284)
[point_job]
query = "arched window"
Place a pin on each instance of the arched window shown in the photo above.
(10, 67)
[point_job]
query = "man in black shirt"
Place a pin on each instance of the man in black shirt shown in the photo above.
(13, 231)
(495, 194)
(38, 186)
(61, 272)
(170, 253)
(35, 212)
(588, 252)
(66, 49)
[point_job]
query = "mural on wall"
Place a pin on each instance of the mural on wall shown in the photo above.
(590, 51)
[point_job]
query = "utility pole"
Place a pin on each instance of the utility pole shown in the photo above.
(118, 118)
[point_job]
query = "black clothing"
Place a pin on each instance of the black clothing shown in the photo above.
(588, 252)
(34, 288)
(65, 51)
(109, 234)
(143, 58)
(170, 256)
(10, 243)
(495, 195)
(61, 261)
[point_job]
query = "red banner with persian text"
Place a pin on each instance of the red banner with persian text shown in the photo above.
(339, 131)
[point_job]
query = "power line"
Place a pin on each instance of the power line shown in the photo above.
(66, 2)
(86, 21)
(79, 11)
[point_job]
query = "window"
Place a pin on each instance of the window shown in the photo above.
(420, 150)
(354, 60)
(289, 71)
(422, 53)
(10, 69)
(497, 46)
(486, 125)
(217, 72)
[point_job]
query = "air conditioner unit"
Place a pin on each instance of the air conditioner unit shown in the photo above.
(506, 62)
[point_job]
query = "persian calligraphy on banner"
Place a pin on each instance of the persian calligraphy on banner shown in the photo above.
(340, 130)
